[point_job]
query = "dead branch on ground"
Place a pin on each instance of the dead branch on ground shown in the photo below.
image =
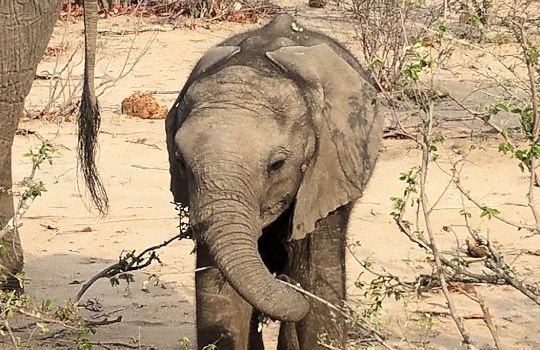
(131, 262)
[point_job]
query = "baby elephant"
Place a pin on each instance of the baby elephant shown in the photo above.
(272, 138)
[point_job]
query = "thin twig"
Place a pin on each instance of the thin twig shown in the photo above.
(446, 313)
(106, 314)
(44, 319)
(136, 263)
(340, 310)
(26, 201)
(11, 335)
(408, 285)
(124, 72)
(536, 122)
(101, 274)
(474, 296)
(504, 272)
(459, 270)
(499, 217)
(433, 243)
(117, 344)
(104, 322)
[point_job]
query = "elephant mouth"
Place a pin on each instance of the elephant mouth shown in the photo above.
(271, 212)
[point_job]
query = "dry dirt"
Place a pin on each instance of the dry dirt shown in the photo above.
(61, 253)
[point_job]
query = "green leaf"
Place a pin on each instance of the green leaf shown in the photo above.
(465, 213)
(506, 147)
(503, 105)
(521, 154)
(43, 327)
(532, 56)
(489, 212)
(296, 27)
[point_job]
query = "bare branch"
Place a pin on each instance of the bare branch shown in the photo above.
(488, 319)
(433, 244)
(504, 271)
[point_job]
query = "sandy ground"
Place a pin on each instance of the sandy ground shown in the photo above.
(61, 254)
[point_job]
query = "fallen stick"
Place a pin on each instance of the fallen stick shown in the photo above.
(446, 314)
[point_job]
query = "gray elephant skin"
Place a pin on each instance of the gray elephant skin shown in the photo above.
(271, 140)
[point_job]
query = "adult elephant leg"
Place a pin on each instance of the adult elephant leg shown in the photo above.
(223, 316)
(25, 29)
(11, 254)
(317, 262)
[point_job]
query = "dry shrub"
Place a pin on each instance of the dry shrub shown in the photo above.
(387, 29)
(243, 11)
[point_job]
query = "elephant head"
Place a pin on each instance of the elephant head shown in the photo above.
(271, 119)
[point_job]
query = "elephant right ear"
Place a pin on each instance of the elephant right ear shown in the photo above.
(177, 115)
(213, 56)
(178, 176)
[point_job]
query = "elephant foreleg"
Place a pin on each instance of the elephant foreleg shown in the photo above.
(224, 318)
(317, 262)
(11, 254)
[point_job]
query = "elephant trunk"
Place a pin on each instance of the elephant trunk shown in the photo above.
(230, 226)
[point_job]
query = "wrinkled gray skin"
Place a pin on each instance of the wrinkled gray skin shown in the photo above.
(272, 138)
(25, 29)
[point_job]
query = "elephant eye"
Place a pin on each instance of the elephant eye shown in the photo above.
(276, 165)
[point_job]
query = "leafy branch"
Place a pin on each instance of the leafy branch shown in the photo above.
(33, 188)
(129, 261)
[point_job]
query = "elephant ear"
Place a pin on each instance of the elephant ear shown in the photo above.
(176, 117)
(348, 126)
(178, 177)
(213, 56)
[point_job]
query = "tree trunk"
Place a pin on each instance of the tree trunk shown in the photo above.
(25, 30)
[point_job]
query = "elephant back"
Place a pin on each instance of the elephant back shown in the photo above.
(250, 48)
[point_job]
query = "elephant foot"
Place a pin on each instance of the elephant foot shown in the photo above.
(11, 262)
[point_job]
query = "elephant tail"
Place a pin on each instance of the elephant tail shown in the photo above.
(89, 119)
